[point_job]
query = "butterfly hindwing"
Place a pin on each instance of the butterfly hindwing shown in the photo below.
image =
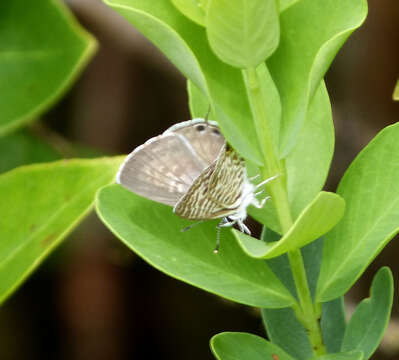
(228, 178)
(217, 191)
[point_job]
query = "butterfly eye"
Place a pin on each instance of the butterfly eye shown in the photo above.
(200, 128)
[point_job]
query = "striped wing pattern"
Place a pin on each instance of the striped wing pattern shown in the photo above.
(217, 192)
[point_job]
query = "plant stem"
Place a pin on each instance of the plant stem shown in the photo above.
(308, 315)
(306, 312)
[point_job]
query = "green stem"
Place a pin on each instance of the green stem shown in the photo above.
(306, 312)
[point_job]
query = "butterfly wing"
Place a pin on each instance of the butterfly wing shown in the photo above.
(217, 192)
(203, 136)
(162, 169)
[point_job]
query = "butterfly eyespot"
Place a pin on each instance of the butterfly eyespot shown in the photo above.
(216, 131)
(200, 128)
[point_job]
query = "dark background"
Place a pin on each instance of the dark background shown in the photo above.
(93, 298)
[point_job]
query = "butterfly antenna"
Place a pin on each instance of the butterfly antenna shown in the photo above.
(207, 114)
(266, 181)
(191, 226)
(254, 177)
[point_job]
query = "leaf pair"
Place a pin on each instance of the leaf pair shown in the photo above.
(186, 45)
(242, 346)
(40, 203)
(362, 334)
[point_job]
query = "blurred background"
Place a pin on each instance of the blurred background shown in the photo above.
(95, 299)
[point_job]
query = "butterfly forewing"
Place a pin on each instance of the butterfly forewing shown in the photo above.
(217, 191)
(162, 169)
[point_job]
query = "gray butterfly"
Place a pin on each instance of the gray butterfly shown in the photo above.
(192, 168)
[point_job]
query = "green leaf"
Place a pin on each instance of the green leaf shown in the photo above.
(186, 45)
(41, 204)
(313, 150)
(244, 346)
(395, 95)
(319, 217)
(43, 49)
(311, 34)
(284, 330)
(153, 231)
(23, 148)
(195, 10)
(333, 324)
(371, 192)
(370, 319)
(242, 33)
(352, 355)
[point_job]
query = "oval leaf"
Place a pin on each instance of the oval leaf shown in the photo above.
(154, 233)
(244, 346)
(319, 217)
(41, 204)
(370, 319)
(242, 33)
(284, 330)
(371, 192)
(311, 34)
(333, 324)
(41, 63)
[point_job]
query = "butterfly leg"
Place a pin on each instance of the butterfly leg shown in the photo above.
(263, 201)
(216, 250)
(192, 225)
(225, 222)
(243, 227)
(259, 205)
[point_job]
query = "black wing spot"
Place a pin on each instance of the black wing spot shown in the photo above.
(216, 131)
(200, 128)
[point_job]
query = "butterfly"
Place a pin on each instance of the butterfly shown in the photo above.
(192, 168)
